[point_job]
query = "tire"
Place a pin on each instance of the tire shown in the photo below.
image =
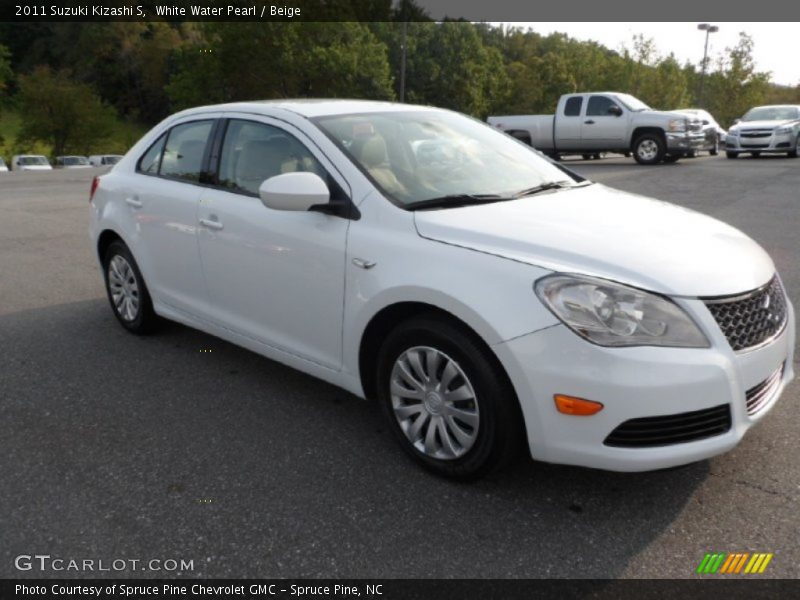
(715, 148)
(732, 154)
(672, 158)
(133, 306)
(794, 153)
(649, 149)
(755, 154)
(586, 156)
(691, 154)
(432, 351)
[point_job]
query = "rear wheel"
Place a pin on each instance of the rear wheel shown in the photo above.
(649, 149)
(447, 400)
(715, 149)
(732, 154)
(127, 291)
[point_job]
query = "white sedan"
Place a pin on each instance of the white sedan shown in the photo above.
(486, 296)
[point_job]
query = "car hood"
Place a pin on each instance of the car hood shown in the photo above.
(764, 124)
(603, 232)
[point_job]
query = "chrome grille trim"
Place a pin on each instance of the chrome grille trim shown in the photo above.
(759, 396)
(752, 319)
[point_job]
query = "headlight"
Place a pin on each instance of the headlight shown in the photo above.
(677, 125)
(612, 314)
(784, 130)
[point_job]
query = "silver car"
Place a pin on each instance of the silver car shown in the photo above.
(766, 129)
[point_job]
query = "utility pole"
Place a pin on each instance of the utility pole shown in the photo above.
(709, 29)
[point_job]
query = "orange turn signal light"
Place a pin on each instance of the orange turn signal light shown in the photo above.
(576, 406)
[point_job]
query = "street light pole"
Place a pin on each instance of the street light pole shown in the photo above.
(709, 29)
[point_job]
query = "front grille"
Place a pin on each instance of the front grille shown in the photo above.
(753, 318)
(759, 396)
(755, 133)
(754, 145)
(671, 429)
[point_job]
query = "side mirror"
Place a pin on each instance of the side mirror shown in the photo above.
(735, 121)
(615, 110)
(294, 191)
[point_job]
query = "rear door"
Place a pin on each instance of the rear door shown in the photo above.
(162, 200)
(568, 123)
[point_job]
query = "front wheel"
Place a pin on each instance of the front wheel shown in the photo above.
(794, 153)
(447, 400)
(649, 149)
(715, 148)
(732, 154)
(126, 290)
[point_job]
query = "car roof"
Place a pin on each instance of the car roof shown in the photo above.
(310, 107)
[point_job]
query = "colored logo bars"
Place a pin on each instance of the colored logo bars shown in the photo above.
(742, 562)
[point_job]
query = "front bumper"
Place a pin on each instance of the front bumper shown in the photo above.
(770, 143)
(635, 383)
(680, 143)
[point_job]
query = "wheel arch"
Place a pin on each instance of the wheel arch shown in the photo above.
(387, 318)
(104, 240)
(640, 131)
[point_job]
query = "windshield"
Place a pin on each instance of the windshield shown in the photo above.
(417, 156)
(772, 113)
(631, 103)
(29, 161)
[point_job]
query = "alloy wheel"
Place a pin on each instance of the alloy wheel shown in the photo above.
(434, 403)
(124, 288)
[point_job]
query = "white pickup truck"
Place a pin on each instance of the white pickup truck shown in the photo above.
(589, 123)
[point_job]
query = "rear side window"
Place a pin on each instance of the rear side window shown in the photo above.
(253, 152)
(177, 154)
(151, 160)
(184, 150)
(573, 106)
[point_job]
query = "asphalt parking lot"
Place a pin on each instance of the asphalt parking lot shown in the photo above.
(180, 446)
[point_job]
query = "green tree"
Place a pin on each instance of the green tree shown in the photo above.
(67, 115)
(735, 86)
(448, 65)
(249, 61)
(5, 69)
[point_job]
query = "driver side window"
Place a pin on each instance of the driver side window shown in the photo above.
(599, 106)
(253, 152)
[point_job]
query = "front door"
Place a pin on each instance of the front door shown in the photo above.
(274, 276)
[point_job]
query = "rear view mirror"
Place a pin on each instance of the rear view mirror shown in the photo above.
(735, 121)
(294, 191)
(615, 110)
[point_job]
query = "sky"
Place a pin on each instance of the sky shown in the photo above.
(773, 42)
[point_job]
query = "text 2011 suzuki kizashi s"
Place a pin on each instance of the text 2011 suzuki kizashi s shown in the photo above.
(487, 297)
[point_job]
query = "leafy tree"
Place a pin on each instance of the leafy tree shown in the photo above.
(5, 68)
(449, 66)
(247, 61)
(67, 115)
(736, 86)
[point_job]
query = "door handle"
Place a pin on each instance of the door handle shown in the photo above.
(133, 201)
(211, 223)
(589, 122)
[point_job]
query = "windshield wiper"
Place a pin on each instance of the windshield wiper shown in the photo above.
(550, 185)
(456, 200)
